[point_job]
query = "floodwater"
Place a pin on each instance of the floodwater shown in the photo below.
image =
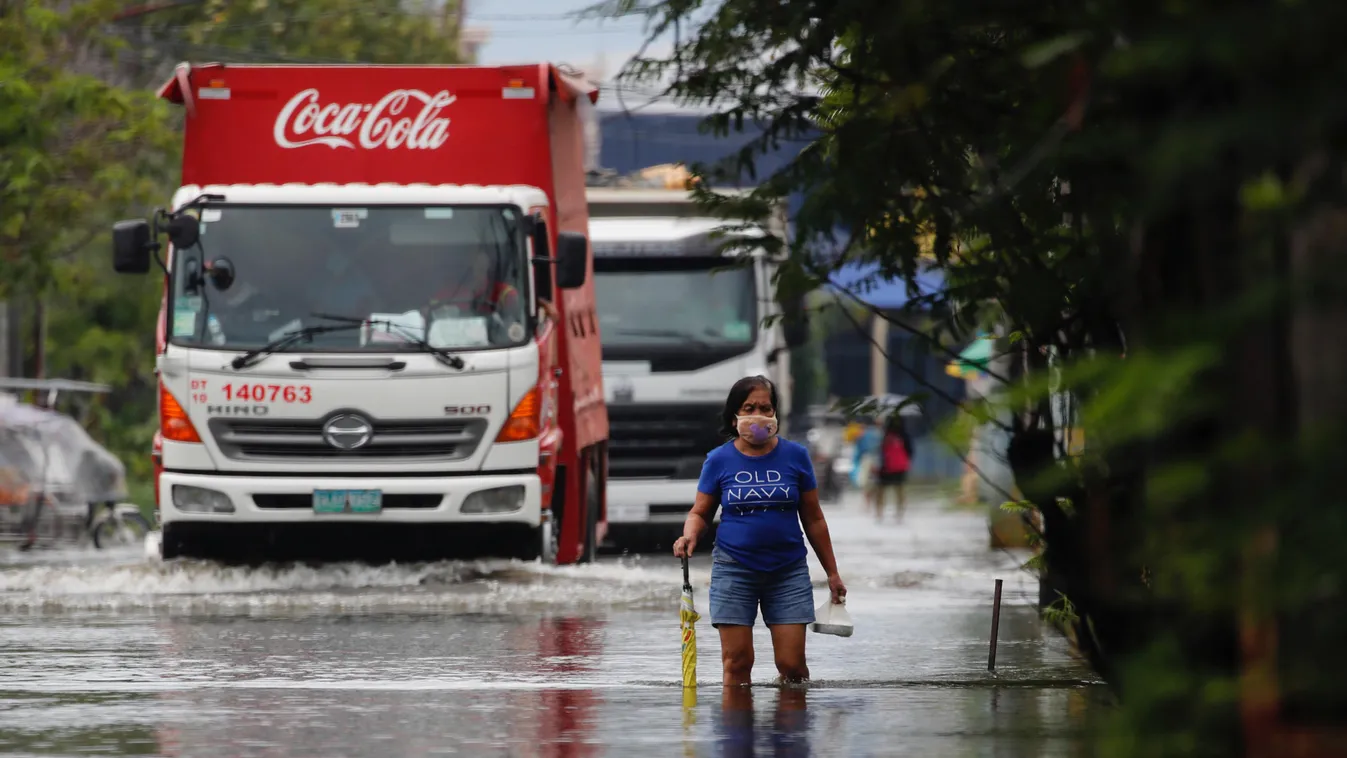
(111, 654)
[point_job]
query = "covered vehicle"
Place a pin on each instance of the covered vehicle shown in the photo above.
(47, 458)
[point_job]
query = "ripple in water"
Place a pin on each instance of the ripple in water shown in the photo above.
(207, 587)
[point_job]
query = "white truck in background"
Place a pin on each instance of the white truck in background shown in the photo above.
(680, 320)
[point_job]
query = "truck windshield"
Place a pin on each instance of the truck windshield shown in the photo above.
(452, 276)
(675, 302)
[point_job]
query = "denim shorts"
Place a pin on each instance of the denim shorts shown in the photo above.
(786, 595)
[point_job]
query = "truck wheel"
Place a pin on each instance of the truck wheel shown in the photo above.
(591, 549)
(543, 545)
(170, 546)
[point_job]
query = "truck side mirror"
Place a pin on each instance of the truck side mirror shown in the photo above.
(183, 230)
(132, 244)
(542, 261)
(572, 260)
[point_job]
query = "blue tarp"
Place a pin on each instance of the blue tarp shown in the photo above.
(633, 141)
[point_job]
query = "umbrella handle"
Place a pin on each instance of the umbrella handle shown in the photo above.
(687, 583)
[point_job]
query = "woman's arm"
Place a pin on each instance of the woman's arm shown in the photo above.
(816, 529)
(695, 524)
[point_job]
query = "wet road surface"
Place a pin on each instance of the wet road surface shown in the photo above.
(109, 654)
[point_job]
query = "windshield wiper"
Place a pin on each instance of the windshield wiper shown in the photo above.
(286, 340)
(441, 354)
(670, 333)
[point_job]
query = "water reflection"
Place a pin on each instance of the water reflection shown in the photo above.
(195, 661)
(568, 647)
(738, 729)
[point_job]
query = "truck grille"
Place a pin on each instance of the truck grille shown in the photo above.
(292, 440)
(660, 441)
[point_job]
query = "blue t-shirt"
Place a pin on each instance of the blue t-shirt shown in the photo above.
(759, 499)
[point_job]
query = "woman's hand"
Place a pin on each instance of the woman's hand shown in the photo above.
(835, 586)
(696, 522)
(683, 546)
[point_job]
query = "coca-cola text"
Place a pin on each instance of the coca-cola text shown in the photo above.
(303, 122)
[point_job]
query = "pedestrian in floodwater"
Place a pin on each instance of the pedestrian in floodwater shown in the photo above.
(895, 459)
(766, 489)
(866, 457)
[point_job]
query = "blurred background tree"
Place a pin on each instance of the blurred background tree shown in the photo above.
(83, 142)
(78, 150)
(1147, 197)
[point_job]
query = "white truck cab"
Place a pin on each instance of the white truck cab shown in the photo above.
(680, 320)
(256, 431)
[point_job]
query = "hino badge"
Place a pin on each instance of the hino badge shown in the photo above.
(378, 337)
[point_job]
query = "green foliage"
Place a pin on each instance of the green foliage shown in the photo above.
(84, 142)
(1137, 194)
(75, 147)
(1061, 612)
(77, 151)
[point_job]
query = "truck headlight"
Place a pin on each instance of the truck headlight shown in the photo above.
(200, 500)
(497, 500)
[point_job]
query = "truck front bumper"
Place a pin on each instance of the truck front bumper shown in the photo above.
(422, 518)
(289, 500)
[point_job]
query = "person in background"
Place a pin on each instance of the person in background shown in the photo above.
(478, 292)
(895, 459)
(865, 458)
(766, 489)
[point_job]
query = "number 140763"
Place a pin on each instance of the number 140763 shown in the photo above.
(254, 392)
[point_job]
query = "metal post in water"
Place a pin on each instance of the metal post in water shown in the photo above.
(996, 625)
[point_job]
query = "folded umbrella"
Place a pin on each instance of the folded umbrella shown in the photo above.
(687, 619)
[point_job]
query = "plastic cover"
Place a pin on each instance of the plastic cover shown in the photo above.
(832, 618)
(46, 452)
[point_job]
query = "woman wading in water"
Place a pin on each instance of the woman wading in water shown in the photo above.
(766, 490)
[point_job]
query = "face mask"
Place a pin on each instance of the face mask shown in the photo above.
(755, 429)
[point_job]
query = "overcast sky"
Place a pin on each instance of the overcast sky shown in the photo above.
(533, 31)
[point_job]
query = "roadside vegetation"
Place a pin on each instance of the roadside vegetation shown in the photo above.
(84, 142)
(1143, 202)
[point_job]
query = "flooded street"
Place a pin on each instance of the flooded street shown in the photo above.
(114, 655)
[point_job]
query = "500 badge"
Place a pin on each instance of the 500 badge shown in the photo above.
(467, 410)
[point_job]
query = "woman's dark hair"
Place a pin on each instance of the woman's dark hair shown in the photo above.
(735, 400)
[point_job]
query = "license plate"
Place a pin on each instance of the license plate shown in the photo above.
(347, 501)
(628, 512)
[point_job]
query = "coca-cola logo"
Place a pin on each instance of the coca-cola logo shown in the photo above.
(388, 123)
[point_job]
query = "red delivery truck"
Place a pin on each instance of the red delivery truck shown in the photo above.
(378, 338)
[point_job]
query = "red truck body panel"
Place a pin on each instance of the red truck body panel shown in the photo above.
(464, 125)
